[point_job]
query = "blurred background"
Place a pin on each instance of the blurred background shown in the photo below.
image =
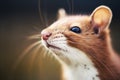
(20, 19)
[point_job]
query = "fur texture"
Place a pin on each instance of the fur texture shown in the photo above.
(90, 49)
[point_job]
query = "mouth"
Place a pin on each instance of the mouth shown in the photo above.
(52, 46)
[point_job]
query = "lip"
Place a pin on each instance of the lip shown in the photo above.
(52, 46)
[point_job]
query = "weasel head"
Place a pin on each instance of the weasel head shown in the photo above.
(86, 33)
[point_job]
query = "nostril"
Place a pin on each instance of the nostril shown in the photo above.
(45, 35)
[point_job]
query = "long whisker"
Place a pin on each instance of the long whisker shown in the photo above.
(46, 19)
(25, 53)
(35, 36)
(46, 52)
(45, 14)
(36, 28)
(39, 9)
(34, 55)
(69, 5)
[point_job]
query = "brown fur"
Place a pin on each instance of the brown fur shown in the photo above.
(98, 50)
(97, 46)
(94, 40)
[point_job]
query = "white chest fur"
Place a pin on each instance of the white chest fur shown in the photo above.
(81, 68)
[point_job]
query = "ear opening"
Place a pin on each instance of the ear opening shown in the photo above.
(101, 18)
(61, 13)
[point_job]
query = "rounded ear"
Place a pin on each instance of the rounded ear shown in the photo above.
(101, 18)
(61, 13)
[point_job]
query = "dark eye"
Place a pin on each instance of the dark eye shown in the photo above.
(76, 29)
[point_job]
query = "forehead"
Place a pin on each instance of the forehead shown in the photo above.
(72, 21)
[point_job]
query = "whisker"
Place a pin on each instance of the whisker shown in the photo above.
(36, 28)
(35, 36)
(25, 53)
(45, 14)
(45, 53)
(34, 55)
(69, 5)
(49, 54)
(40, 13)
(46, 19)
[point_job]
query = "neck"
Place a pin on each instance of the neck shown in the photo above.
(92, 65)
(79, 66)
(105, 59)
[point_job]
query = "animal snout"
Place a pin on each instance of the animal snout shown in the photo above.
(45, 35)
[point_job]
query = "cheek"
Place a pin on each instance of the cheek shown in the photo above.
(73, 37)
(70, 35)
(79, 42)
(79, 39)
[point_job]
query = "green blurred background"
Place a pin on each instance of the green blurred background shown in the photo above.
(20, 19)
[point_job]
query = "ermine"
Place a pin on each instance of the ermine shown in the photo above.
(82, 44)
